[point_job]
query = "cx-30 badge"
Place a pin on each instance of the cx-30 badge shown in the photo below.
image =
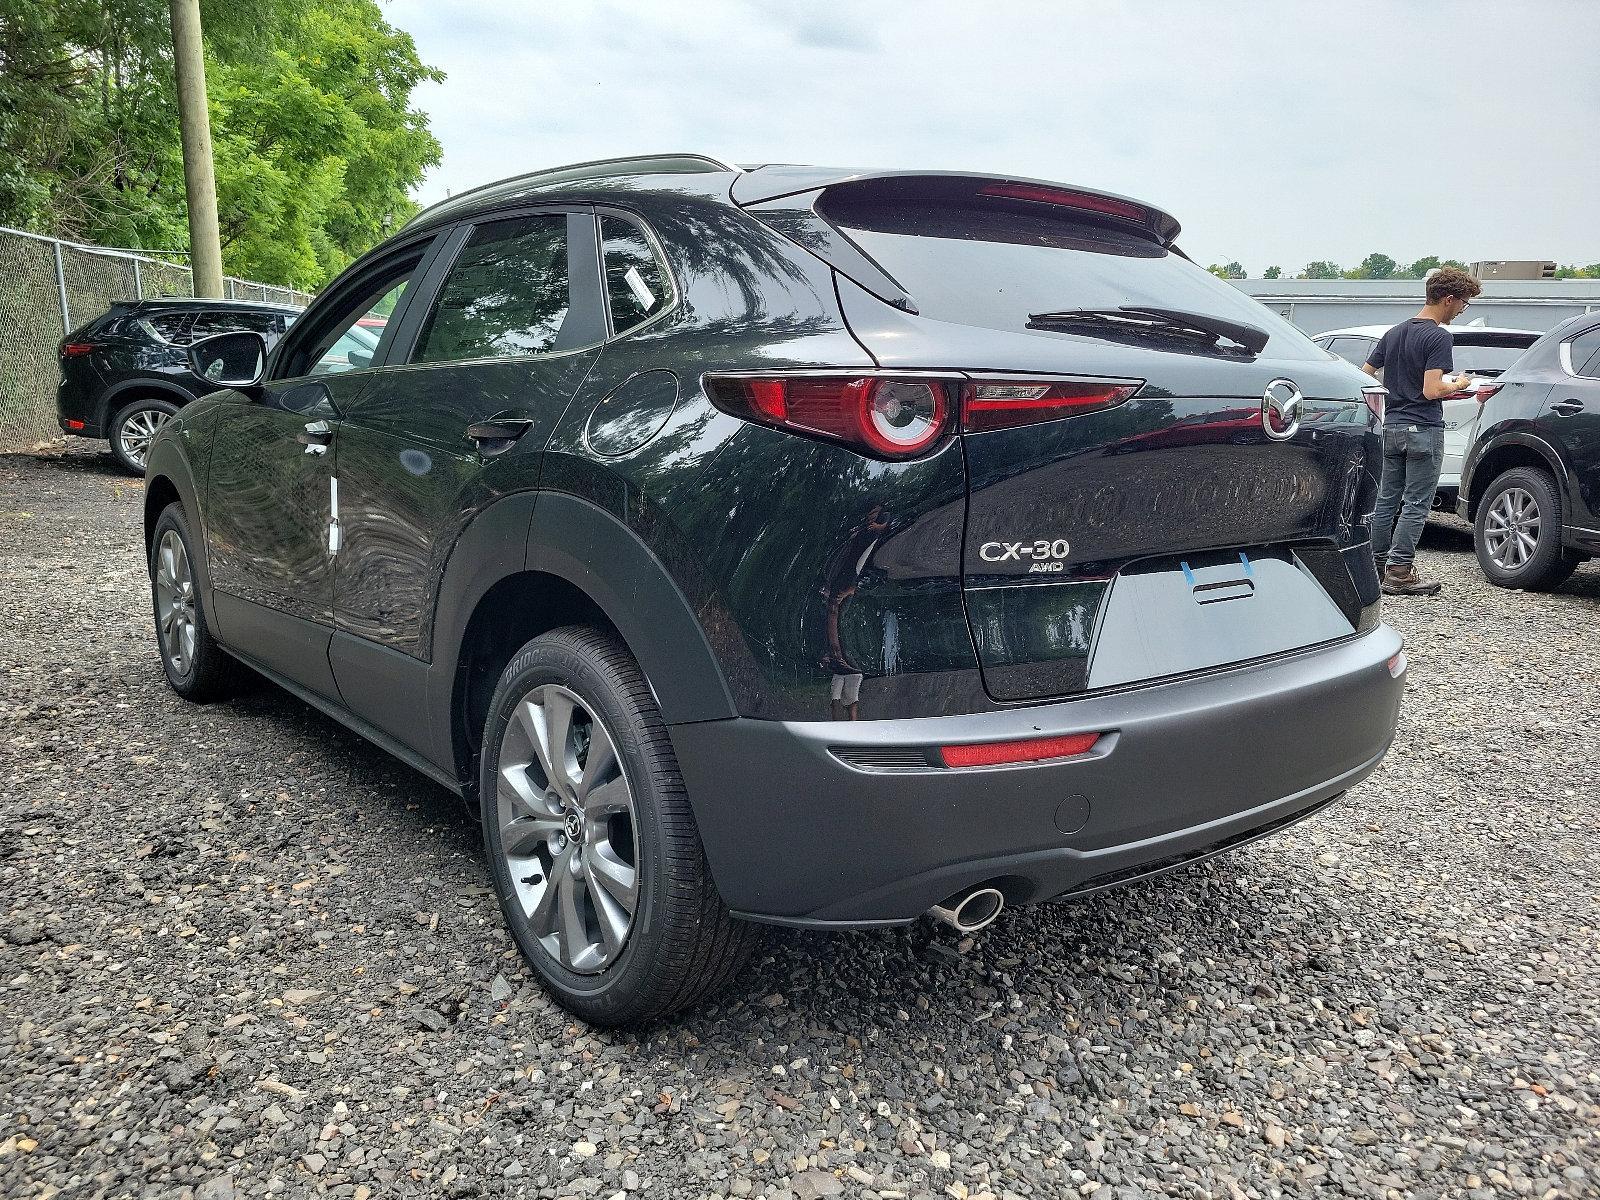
(1281, 405)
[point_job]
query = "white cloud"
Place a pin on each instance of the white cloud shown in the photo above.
(1276, 132)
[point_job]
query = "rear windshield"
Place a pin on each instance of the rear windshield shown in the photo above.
(1486, 360)
(995, 265)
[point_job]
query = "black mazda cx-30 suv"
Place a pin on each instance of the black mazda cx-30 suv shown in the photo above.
(814, 547)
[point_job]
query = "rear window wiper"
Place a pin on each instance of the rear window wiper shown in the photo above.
(1133, 316)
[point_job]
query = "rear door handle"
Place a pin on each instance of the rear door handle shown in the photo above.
(1569, 408)
(495, 436)
(315, 437)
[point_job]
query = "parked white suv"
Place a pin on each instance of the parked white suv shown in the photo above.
(1479, 350)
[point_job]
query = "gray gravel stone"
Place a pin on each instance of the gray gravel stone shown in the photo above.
(1398, 997)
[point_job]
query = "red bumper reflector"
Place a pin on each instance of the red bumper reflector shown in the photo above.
(75, 349)
(74, 425)
(1397, 665)
(993, 754)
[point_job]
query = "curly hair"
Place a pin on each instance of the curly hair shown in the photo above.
(1452, 281)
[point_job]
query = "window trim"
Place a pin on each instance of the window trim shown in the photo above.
(1566, 353)
(638, 222)
(401, 355)
(347, 287)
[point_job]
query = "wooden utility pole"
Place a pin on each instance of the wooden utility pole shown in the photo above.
(199, 174)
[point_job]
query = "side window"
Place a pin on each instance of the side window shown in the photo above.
(1585, 354)
(637, 287)
(171, 327)
(345, 336)
(1352, 349)
(207, 324)
(508, 295)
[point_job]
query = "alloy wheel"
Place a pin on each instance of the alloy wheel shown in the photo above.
(175, 618)
(1511, 530)
(568, 828)
(137, 432)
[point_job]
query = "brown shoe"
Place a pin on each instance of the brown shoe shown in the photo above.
(1404, 581)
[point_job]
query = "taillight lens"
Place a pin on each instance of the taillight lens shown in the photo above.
(902, 416)
(996, 754)
(1485, 390)
(1005, 404)
(75, 349)
(1374, 399)
(886, 416)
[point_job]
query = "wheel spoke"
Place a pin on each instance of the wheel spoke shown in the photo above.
(517, 795)
(520, 836)
(574, 938)
(615, 880)
(543, 914)
(600, 766)
(551, 723)
(610, 797)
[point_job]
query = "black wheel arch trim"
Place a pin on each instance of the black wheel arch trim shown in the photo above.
(160, 388)
(574, 540)
(1514, 437)
(167, 467)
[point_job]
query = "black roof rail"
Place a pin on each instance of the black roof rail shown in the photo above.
(638, 164)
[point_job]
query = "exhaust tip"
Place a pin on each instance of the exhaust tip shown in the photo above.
(971, 912)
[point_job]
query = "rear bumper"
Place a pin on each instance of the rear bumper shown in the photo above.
(76, 410)
(796, 835)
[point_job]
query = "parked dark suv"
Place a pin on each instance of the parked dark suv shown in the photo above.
(793, 545)
(127, 371)
(1531, 482)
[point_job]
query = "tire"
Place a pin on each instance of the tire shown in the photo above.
(133, 428)
(678, 944)
(197, 667)
(1517, 533)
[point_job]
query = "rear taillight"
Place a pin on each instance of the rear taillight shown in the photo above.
(886, 416)
(75, 349)
(1005, 404)
(1374, 400)
(1485, 390)
(902, 416)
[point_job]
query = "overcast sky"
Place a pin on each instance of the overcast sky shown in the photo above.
(1276, 133)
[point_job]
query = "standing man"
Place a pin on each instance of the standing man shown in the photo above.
(1416, 363)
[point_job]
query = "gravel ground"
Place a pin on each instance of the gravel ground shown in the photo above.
(242, 953)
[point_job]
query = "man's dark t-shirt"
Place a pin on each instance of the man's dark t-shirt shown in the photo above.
(1405, 354)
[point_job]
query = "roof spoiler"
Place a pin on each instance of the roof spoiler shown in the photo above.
(776, 182)
(789, 200)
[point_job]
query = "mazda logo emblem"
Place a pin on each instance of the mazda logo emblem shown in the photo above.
(1281, 405)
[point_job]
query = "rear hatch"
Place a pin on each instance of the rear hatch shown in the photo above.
(1165, 531)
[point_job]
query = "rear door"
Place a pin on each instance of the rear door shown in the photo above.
(1177, 527)
(505, 328)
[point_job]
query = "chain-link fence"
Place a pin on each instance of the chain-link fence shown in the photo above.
(50, 287)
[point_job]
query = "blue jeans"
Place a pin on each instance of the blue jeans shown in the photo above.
(1412, 457)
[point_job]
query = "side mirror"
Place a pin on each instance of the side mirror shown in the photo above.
(235, 360)
(359, 359)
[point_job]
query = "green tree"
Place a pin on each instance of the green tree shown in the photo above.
(1377, 266)
(1272, 273)
(1420, 268)
(1227, 271)
(1322, 269)
(315, 141)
